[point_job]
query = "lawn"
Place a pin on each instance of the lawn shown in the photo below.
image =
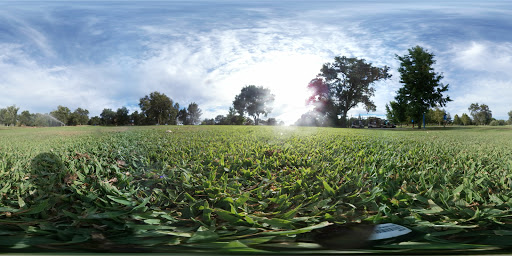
(251, 189)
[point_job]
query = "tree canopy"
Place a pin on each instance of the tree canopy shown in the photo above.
(255, 101)
(80, 116)
(108, 116)
(481, 114)
(157, 108)
(465, 119)
(122, 117)
(438, 115)
(9, 115)
(422, 88)
(395, 112)
(136, 118)
(194, 113)
(344, 84)
(62, 113)
(457, 120)
(25, 118)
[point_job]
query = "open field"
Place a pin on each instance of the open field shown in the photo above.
(247, 189)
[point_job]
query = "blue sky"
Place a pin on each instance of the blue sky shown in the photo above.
(108, 54)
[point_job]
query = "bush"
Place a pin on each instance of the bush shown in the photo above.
(494, 123)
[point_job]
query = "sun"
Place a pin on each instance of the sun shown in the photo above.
(287, 75)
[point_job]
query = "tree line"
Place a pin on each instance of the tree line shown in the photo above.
(248, 108)
(348, 82)
(156, 108)
(482, 115)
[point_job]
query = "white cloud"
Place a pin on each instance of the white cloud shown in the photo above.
(486, 57)
(37, 88)
(494, 93)
(29, 33)
(483, 73)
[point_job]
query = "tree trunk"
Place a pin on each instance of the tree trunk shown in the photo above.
(344, 120)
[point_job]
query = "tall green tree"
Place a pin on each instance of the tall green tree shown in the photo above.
(157, 108)
(510, 117)
(41, 120)
(437, 115)
(62, 114)
(396, 112)
(183, 116)
(137, 118)
(344, 84)
(174, 114)
(194, 113)
(233, 118)
(3, 114)
(26, 119)
(255, 101)
(122, 117)
(108, 116)
(321, 99)
(456, 120)
(9, 115)
(95, 120)
(466, 120)
(481, 114)
(422, 88)
(221, 120)
(80, 116)
(272, 121)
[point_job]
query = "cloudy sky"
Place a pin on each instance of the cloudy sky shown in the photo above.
(109, 54)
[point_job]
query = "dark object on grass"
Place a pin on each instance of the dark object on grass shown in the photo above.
(344, 236)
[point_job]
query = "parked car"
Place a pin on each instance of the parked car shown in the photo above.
(374, 122)
(388, 124)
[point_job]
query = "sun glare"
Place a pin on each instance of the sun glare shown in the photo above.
(287, 75)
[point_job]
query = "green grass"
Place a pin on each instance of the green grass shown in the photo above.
(247, 189)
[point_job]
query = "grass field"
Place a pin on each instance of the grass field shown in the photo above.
(251, 189)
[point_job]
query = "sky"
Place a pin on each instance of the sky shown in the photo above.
(109, 54)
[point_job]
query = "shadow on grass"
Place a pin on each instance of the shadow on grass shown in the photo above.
(48, 172)
(38, 192)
